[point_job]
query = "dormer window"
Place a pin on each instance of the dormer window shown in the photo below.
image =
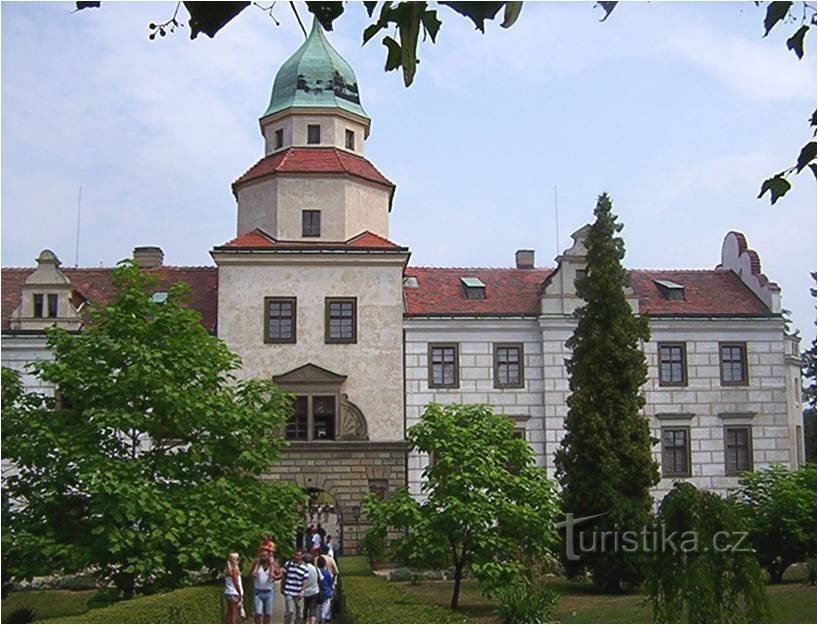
(279, 138)
(38, 305)
(670, 290)
(350, 139)
(313, 134)
(474, 288)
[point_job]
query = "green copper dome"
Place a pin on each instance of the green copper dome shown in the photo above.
(316, 76)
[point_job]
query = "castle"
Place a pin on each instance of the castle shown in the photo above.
(313, 294)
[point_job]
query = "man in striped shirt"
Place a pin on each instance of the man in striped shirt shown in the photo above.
(292, 586)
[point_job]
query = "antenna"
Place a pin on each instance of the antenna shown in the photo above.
(556, 222)
(79, 212)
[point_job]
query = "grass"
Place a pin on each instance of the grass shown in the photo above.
(790, 602)
(47, 603)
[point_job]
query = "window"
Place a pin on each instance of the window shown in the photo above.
(799, 445)
(297, 427)
(474, 288)
(350, 139)
(672, 364)
(52, 305)
(38, 305)
(279, 320)
(314, 418)
(313, 133)
(733, 358)
(670, 290)
(311, 223)
(738, 449)
(443, 365)
(579, 275)
(341, 320)
(508, 365)
(675, 452)
(279, 138)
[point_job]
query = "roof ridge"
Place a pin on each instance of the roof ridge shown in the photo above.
(699, 270)
(480, 268)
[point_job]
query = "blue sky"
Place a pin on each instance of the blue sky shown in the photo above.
(678, 110)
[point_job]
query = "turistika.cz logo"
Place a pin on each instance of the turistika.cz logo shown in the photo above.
(650, 539)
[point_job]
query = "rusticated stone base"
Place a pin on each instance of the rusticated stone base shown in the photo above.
(347, 470)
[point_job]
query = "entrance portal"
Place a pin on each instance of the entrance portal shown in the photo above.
(323, 510)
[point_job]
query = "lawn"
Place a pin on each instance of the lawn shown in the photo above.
(790, 602)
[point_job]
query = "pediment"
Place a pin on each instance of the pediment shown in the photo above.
(309, 374)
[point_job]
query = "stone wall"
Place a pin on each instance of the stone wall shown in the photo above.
(347, 471)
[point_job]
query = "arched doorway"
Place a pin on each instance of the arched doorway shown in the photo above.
(323, 510)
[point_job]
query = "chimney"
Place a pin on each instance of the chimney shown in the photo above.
(524, 259)
(148, 257)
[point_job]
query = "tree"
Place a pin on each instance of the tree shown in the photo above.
(808, 364)
(484, 501)
(146, 464)
(604, 462)
(779, 510)
(708, 576)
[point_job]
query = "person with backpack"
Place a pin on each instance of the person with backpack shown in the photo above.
(326, 585)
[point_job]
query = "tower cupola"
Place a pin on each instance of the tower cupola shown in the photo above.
(315, 100)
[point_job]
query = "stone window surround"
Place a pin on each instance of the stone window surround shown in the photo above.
(270, 300)
(328, 301)
(520, 383)
(683, 346)
(745, 381)
(431, 380)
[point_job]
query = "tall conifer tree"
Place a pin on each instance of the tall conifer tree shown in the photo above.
(604, 463)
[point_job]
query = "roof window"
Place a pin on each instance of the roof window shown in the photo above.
(670, 290)
(473, 287)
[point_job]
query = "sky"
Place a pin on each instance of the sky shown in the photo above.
(677, 110)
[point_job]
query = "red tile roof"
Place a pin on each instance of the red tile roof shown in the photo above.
(259, 240)
(314, 161)
(440, 292)
(516, 292)
(94, 285)
(713, 292)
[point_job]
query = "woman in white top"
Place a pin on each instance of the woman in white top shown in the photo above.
(233, 591)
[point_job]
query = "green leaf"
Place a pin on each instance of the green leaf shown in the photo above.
(477, 12)
(431, 23)
(796, 42)
(511, 14)
(806, 156)
(326, 12)
(776, 11)
(608, 7)
(393, 54)
(777, 186)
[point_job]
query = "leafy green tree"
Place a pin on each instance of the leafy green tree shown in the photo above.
(484, 501)
(146, 464)
(779, 511)
(707, 575)
(604, 462)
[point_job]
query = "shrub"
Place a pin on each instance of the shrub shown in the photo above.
(374, 546)
(522, 601)
(694, 582)
(401, 575)
(22, 615)
(779, 510)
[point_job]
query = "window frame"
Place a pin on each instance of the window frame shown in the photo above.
(456, 364)
(328, 339)
(676, 428)
(496, 347)
(349, 139)
(38, 305)
(310, 395)
(52, 298)
(311, 212)
(278, 137)
(751, 462)
(683, 346)
(745, 381)
(277, 341)
(313, 128)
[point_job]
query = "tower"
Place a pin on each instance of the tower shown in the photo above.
(313, 182)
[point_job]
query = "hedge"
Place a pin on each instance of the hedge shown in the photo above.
(196, 604)
(49, 603)
(367, 598)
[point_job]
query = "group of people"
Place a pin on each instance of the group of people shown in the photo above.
(308, 583)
